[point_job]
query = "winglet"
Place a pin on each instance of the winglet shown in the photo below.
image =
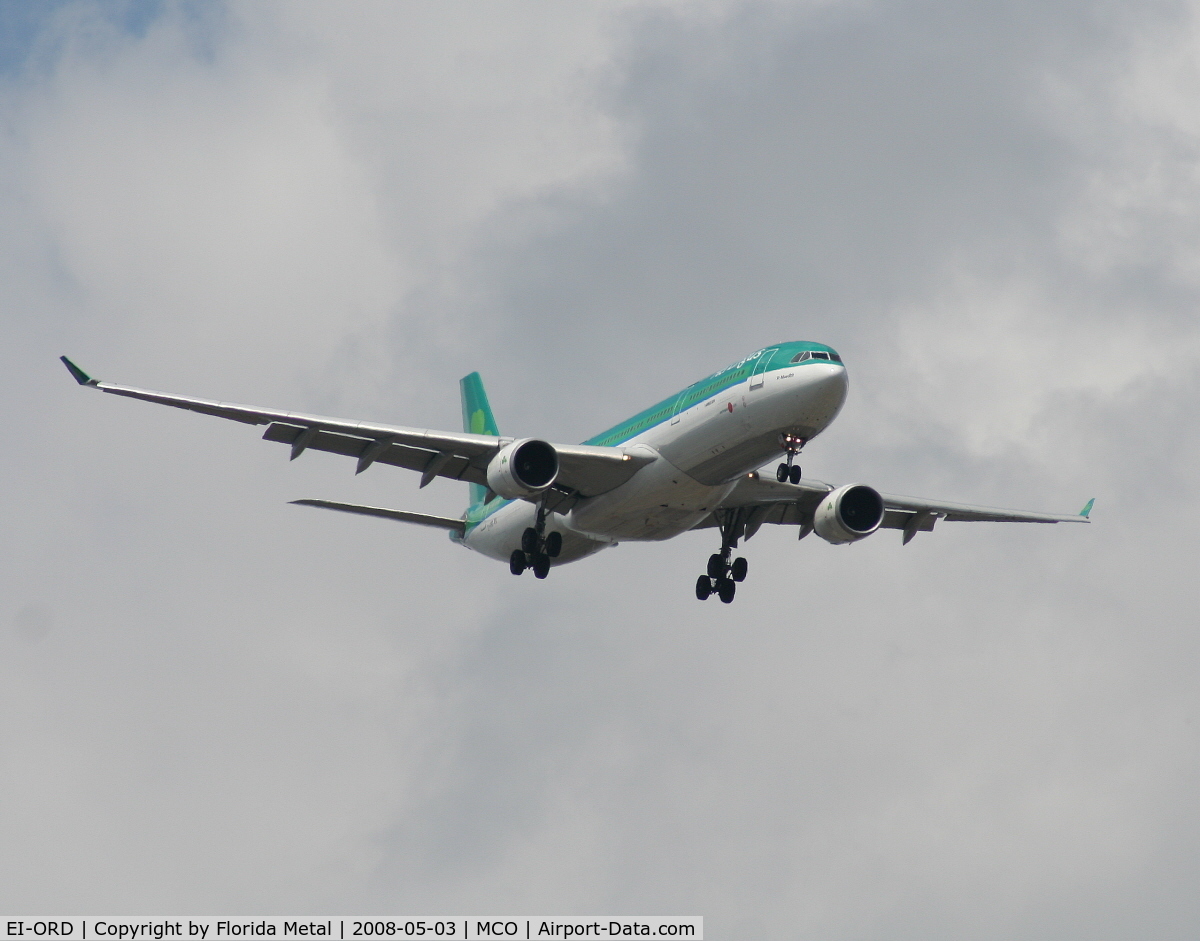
(1087, 509)
(80, 376)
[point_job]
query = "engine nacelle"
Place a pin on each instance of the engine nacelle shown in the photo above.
(523, 469)
(848, 514)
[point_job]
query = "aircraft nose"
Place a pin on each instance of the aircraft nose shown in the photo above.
(831, 382)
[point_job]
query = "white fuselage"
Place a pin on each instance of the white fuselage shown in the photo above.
(697, 457)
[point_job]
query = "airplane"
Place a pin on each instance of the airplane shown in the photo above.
(688, 462)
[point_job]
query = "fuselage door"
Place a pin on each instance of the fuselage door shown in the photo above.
(760, 368)
(680, 406)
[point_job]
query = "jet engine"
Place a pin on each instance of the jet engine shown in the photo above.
(848, 514)
(523, 469)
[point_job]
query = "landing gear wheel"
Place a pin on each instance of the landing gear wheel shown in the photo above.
(529, 541)
(724, 571)
(516, 562)
(554, 545)
(795, 475)
(541, 565)
(782, 474)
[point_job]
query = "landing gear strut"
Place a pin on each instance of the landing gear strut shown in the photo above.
(537, 548)
(724, 571)
(791, 445)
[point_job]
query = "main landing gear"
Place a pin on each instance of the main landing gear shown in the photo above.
(537, 549)
(724, 571)
(786, 471)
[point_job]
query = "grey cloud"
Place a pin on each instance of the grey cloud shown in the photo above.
(244, 706)
(844, 175)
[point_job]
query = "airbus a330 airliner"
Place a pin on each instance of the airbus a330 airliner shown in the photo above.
(688, 462)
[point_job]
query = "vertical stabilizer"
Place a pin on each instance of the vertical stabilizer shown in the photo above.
(477, 419)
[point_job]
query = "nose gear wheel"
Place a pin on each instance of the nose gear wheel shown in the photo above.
(786, 471)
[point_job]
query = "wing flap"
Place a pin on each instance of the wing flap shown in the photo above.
(965, 512)
(794, 504)
(411, 448)
(899, 519)
(753, 489)
(585, 470)
(460, 442)
(592, 469)
(204, 406)
(398, 455)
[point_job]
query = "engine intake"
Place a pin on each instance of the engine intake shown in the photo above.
(523, 469)
(848, 514)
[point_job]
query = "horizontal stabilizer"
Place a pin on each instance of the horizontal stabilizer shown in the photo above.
(404, 516)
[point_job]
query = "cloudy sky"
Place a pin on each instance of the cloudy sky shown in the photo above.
(214, 702)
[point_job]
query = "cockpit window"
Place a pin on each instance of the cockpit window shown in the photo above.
(816, 354)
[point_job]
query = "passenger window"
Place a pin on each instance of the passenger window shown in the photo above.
(800, 357)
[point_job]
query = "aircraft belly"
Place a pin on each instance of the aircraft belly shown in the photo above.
(659, 502)
(498, 535)
(740, 458)
(744, 434)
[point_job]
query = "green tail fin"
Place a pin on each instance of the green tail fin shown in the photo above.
(477, 419)
(1087, 509)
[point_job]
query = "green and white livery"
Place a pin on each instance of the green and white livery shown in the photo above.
(688, 462)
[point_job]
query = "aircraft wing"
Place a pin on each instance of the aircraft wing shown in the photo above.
(584, 470)
(758, 500)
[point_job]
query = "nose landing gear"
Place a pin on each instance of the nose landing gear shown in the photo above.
(537, 549)
(724, 572)
(791, 445)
